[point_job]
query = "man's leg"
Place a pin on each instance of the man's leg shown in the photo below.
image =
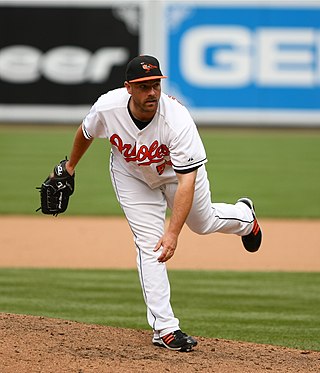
(206, 217)
(145, 211)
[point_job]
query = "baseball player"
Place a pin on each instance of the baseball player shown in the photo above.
(157, 161)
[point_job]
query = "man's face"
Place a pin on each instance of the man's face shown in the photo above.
(145, 95)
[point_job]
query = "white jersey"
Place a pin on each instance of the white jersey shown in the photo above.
(169, 142)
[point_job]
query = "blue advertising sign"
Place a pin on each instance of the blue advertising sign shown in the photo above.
(244, 58)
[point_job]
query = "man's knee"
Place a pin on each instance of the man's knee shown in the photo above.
(199, 229)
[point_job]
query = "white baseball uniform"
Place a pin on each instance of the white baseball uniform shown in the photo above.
(143, 166)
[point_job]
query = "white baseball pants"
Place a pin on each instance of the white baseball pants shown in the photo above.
(145, 210)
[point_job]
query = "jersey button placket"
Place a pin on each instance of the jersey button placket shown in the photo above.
(138, 144)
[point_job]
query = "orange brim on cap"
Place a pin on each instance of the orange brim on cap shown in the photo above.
(155, 77)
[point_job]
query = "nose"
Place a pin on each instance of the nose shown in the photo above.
(152, 91)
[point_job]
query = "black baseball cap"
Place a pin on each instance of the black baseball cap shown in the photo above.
(142, 68)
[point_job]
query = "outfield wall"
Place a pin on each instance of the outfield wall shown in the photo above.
(230, 62)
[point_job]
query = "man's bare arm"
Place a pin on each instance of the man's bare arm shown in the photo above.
(181, 207)
(80, 146)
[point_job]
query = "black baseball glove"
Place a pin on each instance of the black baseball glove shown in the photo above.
(56, 190)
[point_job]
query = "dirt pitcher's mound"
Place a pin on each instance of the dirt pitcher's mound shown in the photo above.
(36, 344)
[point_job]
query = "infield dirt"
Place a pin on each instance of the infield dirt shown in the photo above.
(42, 345)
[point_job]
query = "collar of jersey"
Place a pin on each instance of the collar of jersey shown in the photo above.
(139, 123)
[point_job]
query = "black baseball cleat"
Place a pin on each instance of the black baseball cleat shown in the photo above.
(252, 241)
(176, 341)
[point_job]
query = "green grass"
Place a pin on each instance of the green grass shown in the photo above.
(266, 307)
(28, 155)
(279, 169)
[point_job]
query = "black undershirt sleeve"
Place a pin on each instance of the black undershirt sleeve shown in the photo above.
(188, 170)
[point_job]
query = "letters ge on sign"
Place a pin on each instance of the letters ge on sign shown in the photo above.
(235, 56)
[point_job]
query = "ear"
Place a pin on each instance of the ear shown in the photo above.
(128, 86)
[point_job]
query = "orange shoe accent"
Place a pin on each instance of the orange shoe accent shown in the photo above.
(256, 227)
(168, 338)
